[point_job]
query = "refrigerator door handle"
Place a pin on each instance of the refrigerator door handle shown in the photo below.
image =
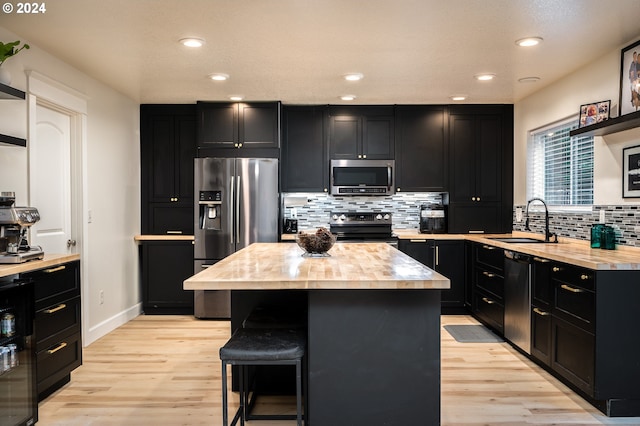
(231, 200)
(237, 212)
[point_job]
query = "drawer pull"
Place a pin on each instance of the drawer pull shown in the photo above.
(174, 232)
(540, 312)
(489, 247)
(555, 269)
(488, 301)
(56, 309)
(584, 277)
(488, 274)
(541, 260)
(57, 348)
(571, 289)
(52, 270)
(417, 241)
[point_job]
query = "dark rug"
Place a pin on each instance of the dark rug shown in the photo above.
(471, 333)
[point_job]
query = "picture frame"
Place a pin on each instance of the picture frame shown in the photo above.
(630, 79)
(594, 113)
(631, 172)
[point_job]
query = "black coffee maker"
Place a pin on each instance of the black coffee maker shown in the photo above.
(433, 219)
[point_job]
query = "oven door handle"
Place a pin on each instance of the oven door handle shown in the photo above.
(389, 172)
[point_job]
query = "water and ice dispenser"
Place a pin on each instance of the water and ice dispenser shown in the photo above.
(210, 207)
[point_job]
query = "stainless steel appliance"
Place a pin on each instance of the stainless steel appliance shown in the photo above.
(362, 177)
(517, 299)
(18, 397)
(363, 227)
(236, 204)
(14, 224)
(433, 219)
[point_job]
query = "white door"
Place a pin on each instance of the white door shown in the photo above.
(50, 180)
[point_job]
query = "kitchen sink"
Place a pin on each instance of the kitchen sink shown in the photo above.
(519, 240)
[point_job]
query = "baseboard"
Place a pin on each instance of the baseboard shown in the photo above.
(110, 324)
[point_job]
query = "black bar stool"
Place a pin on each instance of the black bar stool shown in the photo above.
(262, 346)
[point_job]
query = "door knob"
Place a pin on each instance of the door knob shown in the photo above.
(71, 243)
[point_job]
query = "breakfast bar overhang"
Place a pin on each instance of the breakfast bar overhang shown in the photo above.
(373, 326)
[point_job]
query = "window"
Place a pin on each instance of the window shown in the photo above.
(560, 167)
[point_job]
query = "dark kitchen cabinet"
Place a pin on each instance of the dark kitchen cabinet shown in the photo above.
(487, 283)
(165, 265)
(168, 147)
(241, 129)
(421, 151)
(363, 132)
(58, 325)
(541, 301)
(481, 168)
(305, 158)
(447, 258)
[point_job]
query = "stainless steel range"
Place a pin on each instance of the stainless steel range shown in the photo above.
(363, 227)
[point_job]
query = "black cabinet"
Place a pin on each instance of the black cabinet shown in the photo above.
(364, 132)
(481, 168)
(487, 283)
(238, 129)
(421, 151)
(541, 302)
(165, 265)
(168, 147)
(305, 159)
(446, 257)
(58, 326)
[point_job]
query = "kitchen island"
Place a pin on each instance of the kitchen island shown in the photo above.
(373, 326)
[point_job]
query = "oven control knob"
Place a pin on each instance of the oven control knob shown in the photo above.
(334, 217)
(386, 217)
(342, 217)
(378, 216)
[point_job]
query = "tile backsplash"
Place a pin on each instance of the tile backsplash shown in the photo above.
(314, 209)
(624, 219)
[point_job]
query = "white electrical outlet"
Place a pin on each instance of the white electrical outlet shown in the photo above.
(518, 214)
(636, 229)
(294, 213)
(602, 218)
(101, 297)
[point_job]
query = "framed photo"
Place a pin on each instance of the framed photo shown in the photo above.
(631, 172)
(594, 113)
(630, 79)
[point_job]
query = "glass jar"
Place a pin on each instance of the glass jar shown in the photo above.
(596, 235)
(608, 238)
(8, 325)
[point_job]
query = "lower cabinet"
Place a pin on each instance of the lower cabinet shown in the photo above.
(487, 285)
(58, 327)
(446, 257)
(165, 265)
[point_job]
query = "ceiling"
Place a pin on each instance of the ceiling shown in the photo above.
(297, 51)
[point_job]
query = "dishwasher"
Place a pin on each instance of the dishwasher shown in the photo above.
(517, 299)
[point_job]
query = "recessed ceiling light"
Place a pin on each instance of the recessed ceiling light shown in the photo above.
(347, 97)
(356, 76)
(219, 76)
(192, 42)
(236, 97)
(458, 97)
(529, 79)
(484, 77)
(529, 41)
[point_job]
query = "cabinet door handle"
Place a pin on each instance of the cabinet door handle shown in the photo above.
(555, 269)
(571, 289)
(174, 232)
(584, 277)
(488, 301)
(57, 348)
(488, 247)
(56, 309)
(437, 256)
(541, 312)
(488, 274)
(417, 241)
(541, 260)
(52, 270)
(471, 231)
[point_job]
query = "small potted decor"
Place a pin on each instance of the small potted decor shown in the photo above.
(7, 50)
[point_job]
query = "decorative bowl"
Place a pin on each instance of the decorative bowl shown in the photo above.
(316, 244)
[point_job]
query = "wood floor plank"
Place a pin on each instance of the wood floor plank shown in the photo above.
(165, 370)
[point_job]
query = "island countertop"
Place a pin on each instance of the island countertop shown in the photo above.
(280, 266)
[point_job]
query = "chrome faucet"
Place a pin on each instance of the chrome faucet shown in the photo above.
(547, 234)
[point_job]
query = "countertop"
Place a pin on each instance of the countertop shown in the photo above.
(49, 261)
(277, 266)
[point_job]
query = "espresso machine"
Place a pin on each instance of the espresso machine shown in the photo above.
(14, 224)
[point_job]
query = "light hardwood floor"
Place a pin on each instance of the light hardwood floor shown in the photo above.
(165, 370)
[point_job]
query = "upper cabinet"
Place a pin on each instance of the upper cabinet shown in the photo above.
(9, 93)
(305, 159)
(253, 126)
(362, 132)
(420, 148)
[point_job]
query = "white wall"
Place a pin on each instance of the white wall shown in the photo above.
(598, 81)
(112, 181)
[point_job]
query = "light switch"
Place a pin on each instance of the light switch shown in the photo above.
(602, 218)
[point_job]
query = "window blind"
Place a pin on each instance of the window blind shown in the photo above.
(560, 167)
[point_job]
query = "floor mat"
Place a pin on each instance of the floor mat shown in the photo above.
(471, 333)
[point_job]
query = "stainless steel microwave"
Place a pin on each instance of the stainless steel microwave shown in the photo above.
(362, 177)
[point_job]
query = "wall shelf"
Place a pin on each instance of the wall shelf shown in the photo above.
(613, 125)
(9, 93)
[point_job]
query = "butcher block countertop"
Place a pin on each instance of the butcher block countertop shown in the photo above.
(278, 266)
(50, 260)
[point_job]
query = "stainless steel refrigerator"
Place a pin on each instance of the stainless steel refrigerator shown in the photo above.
(236, 203)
